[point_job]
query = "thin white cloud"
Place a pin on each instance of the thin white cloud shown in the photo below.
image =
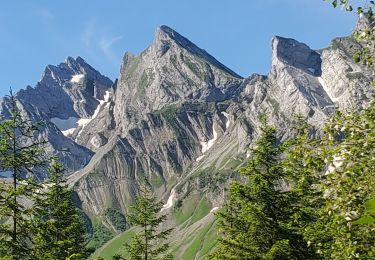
(106, 44)
(45, 13)
(96, 40)
(88, 33)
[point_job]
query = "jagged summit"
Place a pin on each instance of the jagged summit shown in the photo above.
(180, 118)
(289, 52)
(65, 72)
(69, 89)
(78, 65)
(166, 36)
(172, 69)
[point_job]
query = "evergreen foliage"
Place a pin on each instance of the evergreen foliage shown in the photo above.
(253, 222)
(149, 243)
(100, 236)
(19, 155)
(117, 219)
(58, 230)
(303, 164)
(330, 203)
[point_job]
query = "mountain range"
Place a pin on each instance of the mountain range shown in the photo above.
(181, 120)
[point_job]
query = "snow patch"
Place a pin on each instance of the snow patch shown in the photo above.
(322, 83)
(170, 201)
(207, 145)
(214, 209)
(199, 158)
(227, 124)
(95, 142)
(66, 126)
(84, 121)
(77, 78)
(101, 102)
(68, 132)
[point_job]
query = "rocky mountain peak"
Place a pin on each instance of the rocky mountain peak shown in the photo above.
(167, 38)
(289, 52)
(77, 65)
(180, 118)
(171, 70)
(73, 71)
(71, 62)
(69, 89)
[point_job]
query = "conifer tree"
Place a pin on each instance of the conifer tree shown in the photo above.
(19, 155)
(252, 224)
(149, 243)
(58, 230)
(303, 164)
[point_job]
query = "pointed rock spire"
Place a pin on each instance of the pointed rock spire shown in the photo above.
(289, 52)
(166, 38)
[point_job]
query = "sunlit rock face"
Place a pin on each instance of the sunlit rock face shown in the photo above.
(66, 96)
(180, 119)
(175, 110)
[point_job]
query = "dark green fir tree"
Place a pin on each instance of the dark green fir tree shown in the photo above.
(58, 231)
(253, 222)
(19, 155)
(149, 243)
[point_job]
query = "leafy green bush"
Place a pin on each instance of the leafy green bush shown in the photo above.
(101, 235)
(117, 219)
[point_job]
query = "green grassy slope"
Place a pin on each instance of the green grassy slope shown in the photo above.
(193, 238)
(114, 246)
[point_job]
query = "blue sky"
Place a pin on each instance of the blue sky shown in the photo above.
(237, 32)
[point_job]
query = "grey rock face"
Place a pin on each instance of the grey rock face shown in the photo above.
(364, 22)
(289, 52)
(177, 111)
(182, 120)
(171, 70)
(66, 92)
(348, 84)
(72, 156)
(70, 89)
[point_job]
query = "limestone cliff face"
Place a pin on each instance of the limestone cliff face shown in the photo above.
(66, 93)
(176, 115)
(345, 82)
(172, 70)
(70, 89)
(178, 118)
(164, 145)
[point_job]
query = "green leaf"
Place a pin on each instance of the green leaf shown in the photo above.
(365, 220)
(370, 206)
